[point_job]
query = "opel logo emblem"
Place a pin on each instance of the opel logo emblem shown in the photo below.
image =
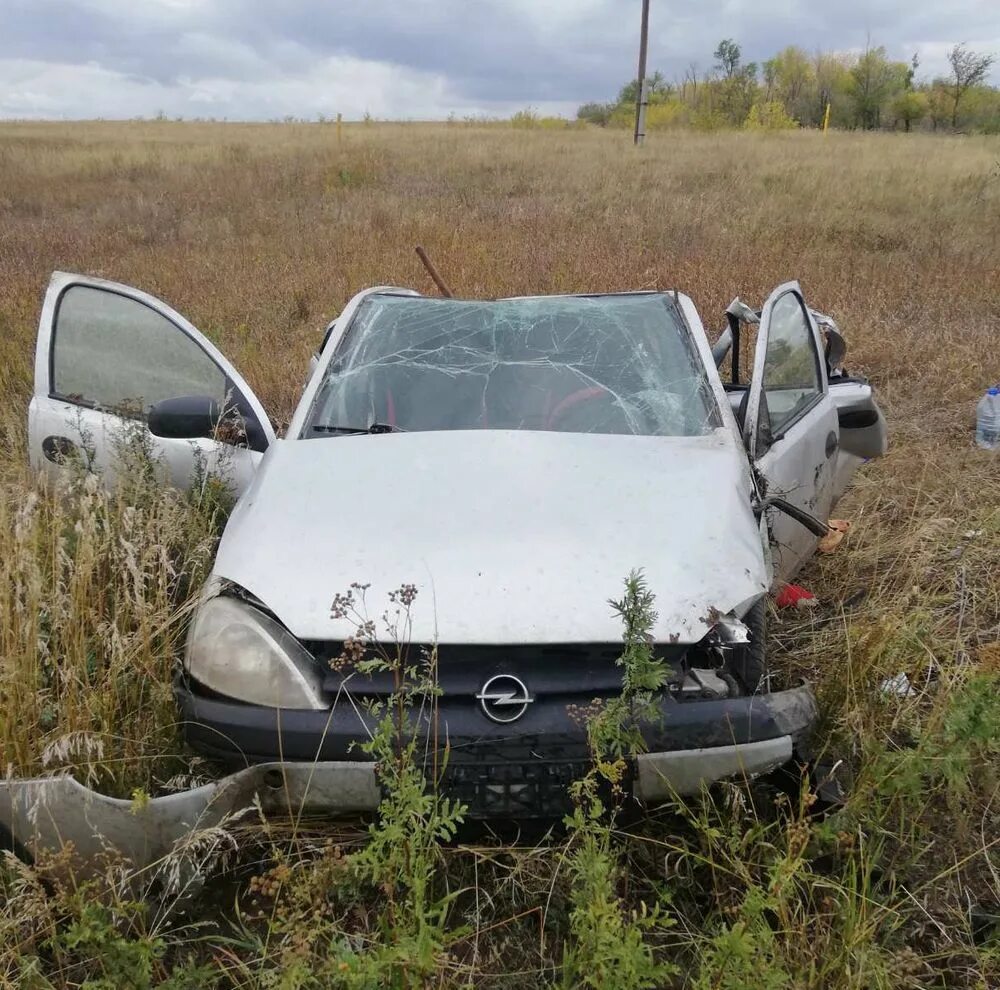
(504, 698)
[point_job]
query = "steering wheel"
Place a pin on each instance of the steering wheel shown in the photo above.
(568, 402)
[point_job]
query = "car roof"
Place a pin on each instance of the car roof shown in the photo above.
(541, 295)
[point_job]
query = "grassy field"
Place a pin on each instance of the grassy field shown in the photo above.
(259, 234)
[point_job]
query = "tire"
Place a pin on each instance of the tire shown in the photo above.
(750, 668)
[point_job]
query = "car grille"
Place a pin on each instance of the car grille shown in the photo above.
(513, 790)
(511, 781)
(514, 775)
(584, 669)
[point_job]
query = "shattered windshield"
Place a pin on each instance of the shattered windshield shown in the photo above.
(620, 364)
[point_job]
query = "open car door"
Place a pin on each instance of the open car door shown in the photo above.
(106, 355)
(791, 429)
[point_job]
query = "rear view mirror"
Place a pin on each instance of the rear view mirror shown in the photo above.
(185, 417)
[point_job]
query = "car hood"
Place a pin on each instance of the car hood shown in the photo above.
(508, 536)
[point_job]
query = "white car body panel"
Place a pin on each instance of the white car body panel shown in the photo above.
(799, 466)
(509, 536)
(98, 431)
(798, 469)
(101, 432)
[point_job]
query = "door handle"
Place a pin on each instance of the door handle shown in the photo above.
(832, 443)
(58, 449)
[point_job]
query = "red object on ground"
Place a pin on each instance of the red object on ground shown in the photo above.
(792, 594)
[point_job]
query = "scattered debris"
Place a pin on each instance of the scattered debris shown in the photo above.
(44, 814)
(898, 685)
(794, 595)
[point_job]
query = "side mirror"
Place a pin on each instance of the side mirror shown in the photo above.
(857, 419)
(862, 425)
(185, 417)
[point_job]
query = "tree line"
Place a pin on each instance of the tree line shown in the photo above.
(795, 89)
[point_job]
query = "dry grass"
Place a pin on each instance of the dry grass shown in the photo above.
(260, 233)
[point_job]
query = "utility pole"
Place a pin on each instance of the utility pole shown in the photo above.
(641, 96)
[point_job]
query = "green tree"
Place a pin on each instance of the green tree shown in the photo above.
(833, 89)
(868, 91)
(769, 116)
(790, 78)
(657, 90)
(909, 108)
(740, 93)
(939, 104)
(727, 57)
(981, 107)
(968, 68)
(737, 88)
(874, 81)
(595, 113)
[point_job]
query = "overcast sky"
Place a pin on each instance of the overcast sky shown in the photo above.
(262, 59)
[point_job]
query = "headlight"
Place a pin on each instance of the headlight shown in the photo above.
(240, 652)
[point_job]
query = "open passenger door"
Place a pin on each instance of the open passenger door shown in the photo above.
(791, 429)
(106, 355)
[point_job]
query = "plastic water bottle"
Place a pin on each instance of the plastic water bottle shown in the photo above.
(988, 420)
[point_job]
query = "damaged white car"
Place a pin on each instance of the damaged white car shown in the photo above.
(513, 459)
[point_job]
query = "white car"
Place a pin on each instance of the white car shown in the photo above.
(512, 459)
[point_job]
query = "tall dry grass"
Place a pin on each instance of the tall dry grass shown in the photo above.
(260, 233)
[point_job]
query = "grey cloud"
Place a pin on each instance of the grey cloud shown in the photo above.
(486, 51)
(162, 50)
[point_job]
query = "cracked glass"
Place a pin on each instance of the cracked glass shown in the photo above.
(619, 364)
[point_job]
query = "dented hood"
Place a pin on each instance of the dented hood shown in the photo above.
(509, 536)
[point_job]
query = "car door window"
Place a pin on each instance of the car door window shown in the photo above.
(792, 381)
(114, 352)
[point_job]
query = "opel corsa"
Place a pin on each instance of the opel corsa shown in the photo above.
(513, 460)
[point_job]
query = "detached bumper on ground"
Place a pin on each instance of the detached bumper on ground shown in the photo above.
(496, 772)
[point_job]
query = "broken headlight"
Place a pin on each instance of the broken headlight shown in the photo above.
(242, 653)
(716, 667)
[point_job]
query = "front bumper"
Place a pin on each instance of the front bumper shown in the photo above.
(522, 769)
(496, 771)
(241, 733)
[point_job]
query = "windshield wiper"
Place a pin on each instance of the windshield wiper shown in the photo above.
(374, 428)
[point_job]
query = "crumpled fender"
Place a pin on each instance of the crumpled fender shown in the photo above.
(44, 814)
